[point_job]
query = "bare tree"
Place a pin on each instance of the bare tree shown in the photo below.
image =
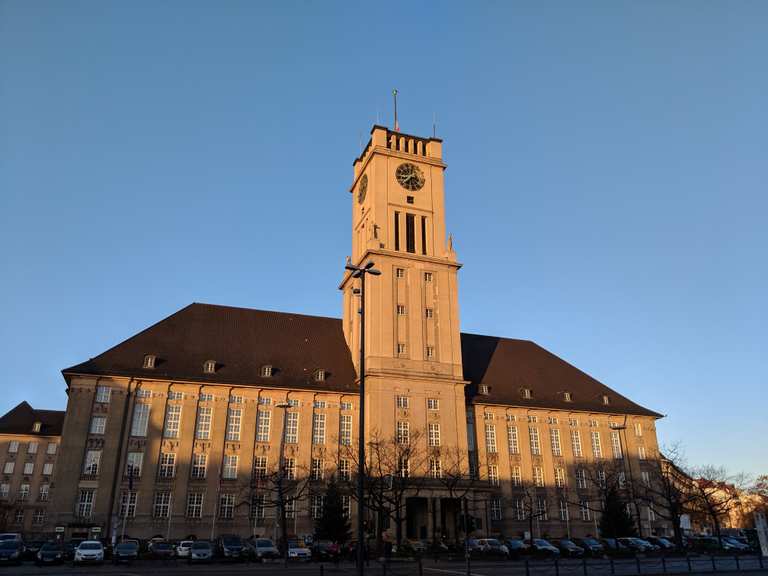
(456, 479)
(716, 493)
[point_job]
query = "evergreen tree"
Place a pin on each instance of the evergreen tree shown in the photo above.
(333, 524)
(615, 521)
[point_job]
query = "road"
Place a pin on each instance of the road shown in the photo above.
(566, 567)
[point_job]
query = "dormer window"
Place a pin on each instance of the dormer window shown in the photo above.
(209, 367)
(527, 393)
(319, 375)
(567, 397)
(266, 371)
(149, 361)
(483, 390)
(37, 426)
(606, 400)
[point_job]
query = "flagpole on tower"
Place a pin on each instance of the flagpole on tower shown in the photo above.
(394, 96)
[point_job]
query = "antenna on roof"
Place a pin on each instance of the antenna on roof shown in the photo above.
(394, 96)
(434, 124)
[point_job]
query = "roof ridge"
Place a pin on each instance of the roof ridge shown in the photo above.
(277, 312)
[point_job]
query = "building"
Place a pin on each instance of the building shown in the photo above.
(194, 425)
(29, 444)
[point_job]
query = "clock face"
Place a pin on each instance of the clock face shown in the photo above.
(410, 176)
(362, 188)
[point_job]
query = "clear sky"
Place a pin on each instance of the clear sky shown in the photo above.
(606, 188)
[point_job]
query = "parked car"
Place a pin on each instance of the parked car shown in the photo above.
(31, 548)
(570, 548)
(162, 550)
(325, 550)
(184, 548)
(231, 547)
(263, 549)
(637, 544)
(492, 548)
(11, 551)
(201, 551)
(591, 546)
(515, 547)
(615, 548)
(541, 547)
(11, 536)
(731, 544)
(125, 552)
(662, 543)
(298, 551)
(89, 551)
(50, 553)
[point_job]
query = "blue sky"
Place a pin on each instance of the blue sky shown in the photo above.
(606, 185)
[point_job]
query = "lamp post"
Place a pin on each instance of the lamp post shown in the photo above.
(626, 464)
(360, 272)
(280, 487)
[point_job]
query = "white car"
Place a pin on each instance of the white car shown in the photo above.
(184, 548)
(89, 551)
(297, 551)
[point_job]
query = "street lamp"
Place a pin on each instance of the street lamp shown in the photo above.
(626, 463)
(280, 488)
(360, 272)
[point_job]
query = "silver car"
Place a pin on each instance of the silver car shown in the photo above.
(201, 551)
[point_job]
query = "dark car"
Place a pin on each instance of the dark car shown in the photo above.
(31, 548)
(515, 547)
(163, 550)
(662, 543)
(11, 552)
(325, 550)
(570, 548)
(231, 548)
(201, 551)
(125, 552)
(263, 549)
(616, 548)
(592, 547)
(50, 553)
(541, 547)
(637, 544)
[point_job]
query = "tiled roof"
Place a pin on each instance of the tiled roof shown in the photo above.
(242, 341)
(22, 418)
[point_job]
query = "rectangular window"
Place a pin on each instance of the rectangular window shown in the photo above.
(52, 446)
(345, 430)
(174, 395)
(194, 505)
(344, 470)
(292, 428)
(204, 422)
(264, 401)
(427, 277)
(401, 349)
(616, 444)
(429, 313)
(601, 478)
(172, 421)
(235, 399)
(258, 506)
(32, 448)
(641, 452)
(554, 439)
(533, 432)
(39, 516)
(646, 478)
(576, 443)
(98, 424)
(289, 465)
(403, 467)
(317, 503)
(133, 464)
(128, 504)
(290, 509)
(490, 438)
(45, 490)
(517, 506)
(560, 477)
(318, 429)
(167, 465)
(403, 432)
(85, 503)
(435, 468)
(29, 468)
(410, 234)
(346, 505)
(402, 402)
(260, 467)
(199, 465)
(48, 469)
(8, 468)
(517, 476)
(538, 476)
(401, 310)
(319, 404)
(24, 492)
(143, 393)
(584, 510)
(573, 421)
(434, 434)
(103, 394)
(316, 472)
(493, 475)
(397, 230)
(229, 467)
(140, 420)
(638, 429)
(346, 406)
(399, 272)
(430, 352)
(424, 235)
(433, 404)
(206, 396)
(5, 490)
(161, 506)
(541, 509)
(234, 418)
(563, 510)
(496, 509)
(597, 449)
(13, 446)
(92, 461)
(226, 506)
(512, 441)
(262, 425)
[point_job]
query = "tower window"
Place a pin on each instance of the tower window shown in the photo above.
(209, 367)
(427, 276)
(430, 351)
(401, 349)
(149, 361)
(397, 230)
(401, 310)
(429, 312)
(266, 371)
(410, 233)
(424, 235)
(399, 272)
(409, 199)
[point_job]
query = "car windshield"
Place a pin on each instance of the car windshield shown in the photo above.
(50, 546)
(493, 542)
(541, 542)
(201, 545)
(265, 543)
(8, 545)
(161, 545)
(591, 541)
(90, 546)
(127, 547)
(232, 541)
(185, 544)
(566, 542)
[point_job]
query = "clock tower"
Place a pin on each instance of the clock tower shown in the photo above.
(413, 345)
